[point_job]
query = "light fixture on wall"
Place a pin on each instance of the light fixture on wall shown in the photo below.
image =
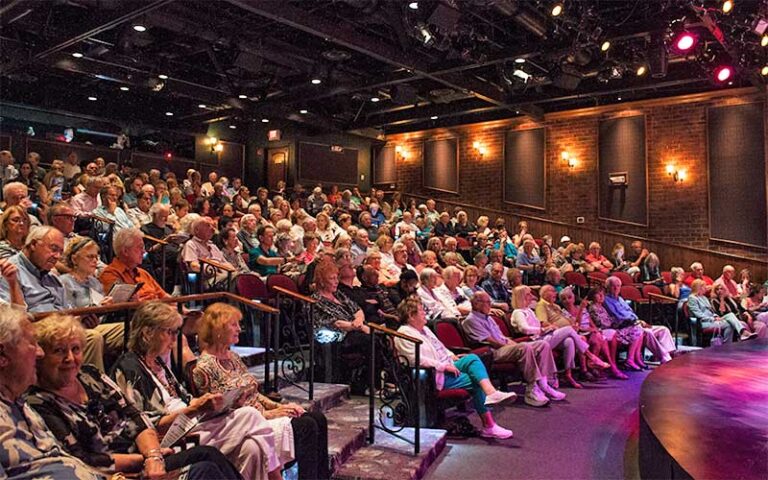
(569, 159)
(479, 149)
(677, 175)
(401, 153)
(215, 144)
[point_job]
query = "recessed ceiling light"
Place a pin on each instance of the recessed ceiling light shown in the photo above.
(413, 5)
(162, 77)
(605, 46)
(303, 111)
(641, 70)
(77, 55)
(264, 120)
(140, 28)
(316, 81)
(517, 112)
(557, 9)
(764, 71)
(520, 60)
(375, 99)
(125, 89)
(168, 114)
(233, 127)
(202, 105)
(93, 99)
(242, 96)
(618, 98)
(433, 117)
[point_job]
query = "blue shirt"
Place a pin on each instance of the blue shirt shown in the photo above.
(523, 259)
(42, 291)
(496, 290)
(510, 251)
(618, 308)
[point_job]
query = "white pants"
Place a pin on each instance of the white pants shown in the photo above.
(568, 341)
(658, 339)
(245, 437)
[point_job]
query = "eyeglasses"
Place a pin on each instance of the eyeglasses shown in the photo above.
(18, 220)
(170, 331)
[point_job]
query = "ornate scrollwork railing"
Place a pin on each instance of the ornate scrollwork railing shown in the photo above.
(294, 340)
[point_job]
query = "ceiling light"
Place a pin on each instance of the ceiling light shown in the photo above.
(605, 46)
(77, 55)
(764, 41)
(684, 42)
(168, 114)
(727, 6)
(521, 74)
(125, 89)
(316, 81)
(93, 99)
(433, 117)
(424, 34)
(242, 97)
(303, 111)
(202, 105)
(233, 127)
(413, 5)
(264, 120)
(557, 9)
(375, 99)
(140, 28)
(618, 98)
(162, 77)
(723, 73)
(641, 70)
(520, 60)
(764, 70)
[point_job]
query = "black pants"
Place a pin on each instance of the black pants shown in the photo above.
(310, 438)
(206, 463)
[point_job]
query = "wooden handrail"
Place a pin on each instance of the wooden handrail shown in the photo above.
(154, 239)
(219, 265)
(571, 226)
(115, 307)
(662, 298)
(294, 295)
(394, 333)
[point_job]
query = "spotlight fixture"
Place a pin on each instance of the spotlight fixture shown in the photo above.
(93, 99)
(202, 105)
(140, 28)
(168, 155)
(424, 35)
(168, 114)
(618, 98)
(434, 117)
(303, 111)
(264, 120)
(125, 89)
(605, 46)
(727, 6)
(521, 74)
(162, 76)
(557, 9)
(763, 41)
(723, 73)
(77, 55)
(764, 71)
(413, 5)
(375, 99)
(233, 127)
(641, 70)
(520, 60)
(684, 42)
(316, 81)
(242, 96)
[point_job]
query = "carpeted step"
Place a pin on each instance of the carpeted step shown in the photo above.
(325, 395)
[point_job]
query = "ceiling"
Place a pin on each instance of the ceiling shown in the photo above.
(381, 64)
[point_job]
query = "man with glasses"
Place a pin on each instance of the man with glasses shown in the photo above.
(16, 193)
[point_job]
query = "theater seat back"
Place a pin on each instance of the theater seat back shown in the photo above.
(448, 333)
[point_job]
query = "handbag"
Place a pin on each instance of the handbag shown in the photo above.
(717, 338)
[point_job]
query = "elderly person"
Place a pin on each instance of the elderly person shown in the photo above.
(139, 214)
(159, 228)
(701, 309)
(495, 288)
(650, 271)
(9, 280)
(436, 305)
(658, 338)
(242, 434)
(110, 209)
(530, 263)
(264, 259)
(200, 248)
(16, 193)
(298, 434)
(14, 228)
(726, 279)
(128, 246)
(574, 256)
(360, 246)
(451, 372)
(247, 234)
(697, 272)
(616, 332)
(549, 324)
(677, 288)
(85, 203)
(598, 260)
(94, 421)
(233, 251)
(28, 450)
(534, 358)
(444, 227)
(723, 303)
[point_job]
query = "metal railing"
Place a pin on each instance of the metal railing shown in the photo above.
(294, 340)
(399, 389)
(664, 300)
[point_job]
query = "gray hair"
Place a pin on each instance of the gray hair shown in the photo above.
(12, 322)
(696, 264)
(124, 238)
(8, 187)
(147, 317)
(426, 275)
(157, 208)
(38, 233)
(450, 270)
(611, 280)
(93, 181)
(565, 292)
(245, 218)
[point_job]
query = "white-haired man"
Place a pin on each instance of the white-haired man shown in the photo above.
(84, 203)
(111, 210)
(200, 247)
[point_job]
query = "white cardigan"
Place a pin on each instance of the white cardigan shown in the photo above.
(433, 353)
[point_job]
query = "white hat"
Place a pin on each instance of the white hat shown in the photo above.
(565, 238)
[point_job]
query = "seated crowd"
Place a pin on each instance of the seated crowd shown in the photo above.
(68, 237)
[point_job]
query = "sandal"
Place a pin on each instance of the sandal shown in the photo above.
(572, 382)
(616, 373)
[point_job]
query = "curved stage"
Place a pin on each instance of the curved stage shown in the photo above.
(704, 415)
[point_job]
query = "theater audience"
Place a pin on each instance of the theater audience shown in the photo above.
(110, 210)
(677, 288)
(723, 303)
(701, 309)
(616, 331)
(496, 289)
(726, 279)
(597, 260)
(451, 372)
(697, 272)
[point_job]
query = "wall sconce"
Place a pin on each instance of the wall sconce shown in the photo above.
(402, 153)
(569, 159)
(215, 144)
(479, 149)
(677, 175)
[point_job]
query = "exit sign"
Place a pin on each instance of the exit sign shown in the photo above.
(337, 148)
(274, 135)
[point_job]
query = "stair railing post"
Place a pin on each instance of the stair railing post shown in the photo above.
(417, 379)
(371, 383)
(310, 322)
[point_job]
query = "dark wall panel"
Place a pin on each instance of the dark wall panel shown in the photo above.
(384, 165)
(5, 142)
(318, 163)
(50, 151)
(441, 165)
(737, 197)
(622, 151)
(525, 168)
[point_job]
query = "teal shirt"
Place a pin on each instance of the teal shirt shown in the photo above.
(264, 270)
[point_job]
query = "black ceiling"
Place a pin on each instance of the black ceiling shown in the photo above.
(217, 52)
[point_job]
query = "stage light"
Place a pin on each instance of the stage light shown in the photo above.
(641, 70)
(763, 41)
(264, 120)
(520, 60)
(140, 28)
(168, 114)
(684, 42)
(77, 55)
(125, 89)
(434, 117)
(162, 77)
(764, 71)
(242, 96)
(202, 105)
(727, 6)
(723, 73)
(303, 111)
(618, 98)
(168, 155)
(375, 99)
(424, 35)
(521, 74)
(93, 99)
(557, 9)
(413, 5)
(233, 127)
(605, 46)
(316, 81)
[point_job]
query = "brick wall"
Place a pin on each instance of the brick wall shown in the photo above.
(675, 134)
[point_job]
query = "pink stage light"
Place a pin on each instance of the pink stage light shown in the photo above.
(722, 74)
(685, 41)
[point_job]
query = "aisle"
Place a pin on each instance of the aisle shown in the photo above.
(592, 434)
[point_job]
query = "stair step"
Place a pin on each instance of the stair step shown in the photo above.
(391, 458)
(326, 395)
(251, 356)
(347, 430)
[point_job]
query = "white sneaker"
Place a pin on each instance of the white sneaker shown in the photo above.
(746, 334)
(552, 393)
(499, 397)
(496, 432)
(535, 397)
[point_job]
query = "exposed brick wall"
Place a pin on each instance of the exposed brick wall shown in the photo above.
(676, 133)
